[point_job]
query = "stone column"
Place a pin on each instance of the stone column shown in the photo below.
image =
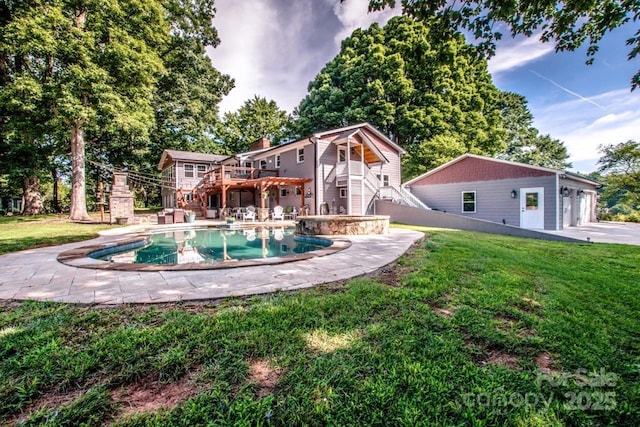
(121, 200)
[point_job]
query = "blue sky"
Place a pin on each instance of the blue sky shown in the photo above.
(274, 48)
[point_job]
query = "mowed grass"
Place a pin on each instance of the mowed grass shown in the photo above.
(18, 233)
(466, 329)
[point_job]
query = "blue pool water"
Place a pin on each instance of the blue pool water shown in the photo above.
(210, 245)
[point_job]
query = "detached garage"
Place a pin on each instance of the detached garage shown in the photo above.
(508, 192)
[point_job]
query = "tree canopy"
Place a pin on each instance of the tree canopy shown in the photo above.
(569, 24)
(620, 166)
(257, 118)
(418, 83)
(102, 73)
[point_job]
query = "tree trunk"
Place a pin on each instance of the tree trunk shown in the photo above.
(32, 196)
(78, 188)
(55, 203)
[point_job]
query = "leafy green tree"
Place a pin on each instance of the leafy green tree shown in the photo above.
(420, 84)
(95, 65)
(105, 73)
(190, 88)
(569, 24)
(524, 142)
(620, 166)
(257, 118)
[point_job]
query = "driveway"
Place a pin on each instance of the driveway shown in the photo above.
(627, 233)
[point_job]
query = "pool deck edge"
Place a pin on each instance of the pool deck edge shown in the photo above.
(37, 275)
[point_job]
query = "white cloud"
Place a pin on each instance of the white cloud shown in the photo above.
(584, 129)
(274, 49)
(515, 53)
(353, 14)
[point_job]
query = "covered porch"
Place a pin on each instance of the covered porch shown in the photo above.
(230, 187)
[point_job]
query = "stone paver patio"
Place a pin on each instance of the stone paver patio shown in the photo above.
(36, 274)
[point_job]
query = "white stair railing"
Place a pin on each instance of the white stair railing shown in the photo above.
(401, 196)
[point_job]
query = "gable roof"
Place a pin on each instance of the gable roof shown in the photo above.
(540, 169)
(344, 136)
(169, 156)
(366, 125)
(319, 135)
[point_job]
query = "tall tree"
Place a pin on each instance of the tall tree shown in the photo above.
(569, 24)
(257, 118)
(190, 89)
(524, 142)
(95, 64)
(420, 84)
(100, 74)
(620, 165)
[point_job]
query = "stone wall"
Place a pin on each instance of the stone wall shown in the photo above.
(121, 200)
(347, 225)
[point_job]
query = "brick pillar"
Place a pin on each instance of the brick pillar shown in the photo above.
(121, 199)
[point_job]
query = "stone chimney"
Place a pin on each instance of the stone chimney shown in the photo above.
(260, 144)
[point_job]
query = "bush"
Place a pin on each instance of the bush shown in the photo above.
(621, 208)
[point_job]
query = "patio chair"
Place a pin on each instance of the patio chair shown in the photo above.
(278, 213)
(250, 214)
(287, 212)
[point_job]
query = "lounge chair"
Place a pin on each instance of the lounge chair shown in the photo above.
(278, 213)
(249, 214)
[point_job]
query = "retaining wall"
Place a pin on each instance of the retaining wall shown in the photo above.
(430, 218)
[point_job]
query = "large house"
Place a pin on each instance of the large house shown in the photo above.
(332, 172)
(508, 192)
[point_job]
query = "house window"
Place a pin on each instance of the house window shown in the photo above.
(263, 164)
(283, 192)
(342, 154)
(469, 201)
(188, 171)
(300, 155)
(277, 161)
(188, 197)
(298, 191)
(384, 180)
(201, 170)
(343, 193)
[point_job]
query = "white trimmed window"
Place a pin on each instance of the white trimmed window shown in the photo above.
(298, 191)
(283, 192)
(277, 161)
(342, 154)
(384, 180)
(343, 193)
(263, 164)
(188, 171)
(468, 201)
(300, 155)
(201, 170)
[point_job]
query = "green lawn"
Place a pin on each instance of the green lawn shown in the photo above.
(466, 329)
(18, 232)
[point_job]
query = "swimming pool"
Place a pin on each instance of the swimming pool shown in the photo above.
(210, 245)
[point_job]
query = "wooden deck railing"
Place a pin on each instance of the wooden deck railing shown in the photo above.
(222, 175)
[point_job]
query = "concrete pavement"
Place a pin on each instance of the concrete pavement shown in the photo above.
(36, 274)
(604, 232)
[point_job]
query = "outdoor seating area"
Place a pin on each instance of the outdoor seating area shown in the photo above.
(171, 216)
(248, 213)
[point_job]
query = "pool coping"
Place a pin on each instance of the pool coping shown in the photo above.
(81, 256)
(36, 274)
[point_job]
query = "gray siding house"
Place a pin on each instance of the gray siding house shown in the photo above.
(331, 172)
(508, 192)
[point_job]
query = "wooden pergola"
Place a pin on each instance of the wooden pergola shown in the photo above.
(224, 179)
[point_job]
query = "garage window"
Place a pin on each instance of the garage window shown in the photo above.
(468, 201)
